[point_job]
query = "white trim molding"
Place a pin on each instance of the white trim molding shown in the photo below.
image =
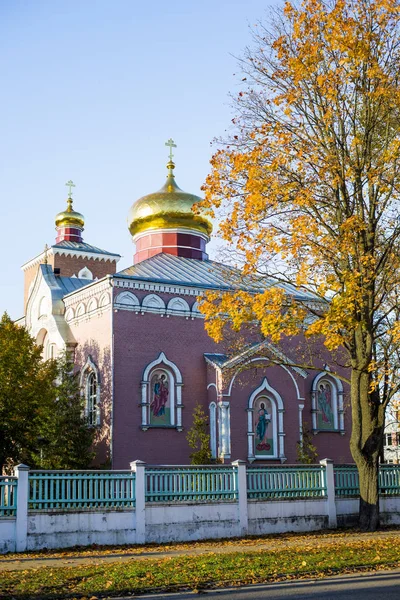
(277, 422)
(259, 359)
(301, 407)
(224, 430)
(185, 230)
(213, 428)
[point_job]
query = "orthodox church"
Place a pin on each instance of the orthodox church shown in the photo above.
(144, 358)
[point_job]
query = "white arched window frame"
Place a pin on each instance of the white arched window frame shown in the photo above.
(51, 351)
(267, 392)
(337, 401)
(196, 312)
(153, 303)
(127, 301)
(90, 386)
(85, 273)
(175, 391)
(213, 429)
(92, 305)
(178, 306)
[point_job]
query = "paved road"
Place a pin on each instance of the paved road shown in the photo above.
(377, 586)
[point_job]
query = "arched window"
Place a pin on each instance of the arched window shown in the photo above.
(43, 307)
(90, 386)
(327, 403)
(161, 394)
(265, 424)
(91, 400)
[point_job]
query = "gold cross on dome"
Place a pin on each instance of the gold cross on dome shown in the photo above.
(70, 184)
(171, 145)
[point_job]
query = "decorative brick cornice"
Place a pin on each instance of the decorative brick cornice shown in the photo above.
(86, 254)
(68, 252)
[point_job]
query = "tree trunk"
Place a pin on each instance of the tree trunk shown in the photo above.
(366, 439)
(369, 494)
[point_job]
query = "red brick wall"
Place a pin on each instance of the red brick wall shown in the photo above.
(139, 339)
(71, 265)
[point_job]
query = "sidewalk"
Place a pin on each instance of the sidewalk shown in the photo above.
(97, 556)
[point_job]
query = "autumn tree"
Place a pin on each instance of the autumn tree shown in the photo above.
(26, 393)
(41, 413)
(307, 189)
(64, 437)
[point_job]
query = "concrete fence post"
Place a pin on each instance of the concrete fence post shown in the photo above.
(329, 482)
(21, 521)
(242, 496)
(139, 468)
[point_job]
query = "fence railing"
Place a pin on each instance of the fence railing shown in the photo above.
(286, 482)
(80, 489)
(347, 480)
(191, 484)
(389, 480)
(8, 496)
(74, 490)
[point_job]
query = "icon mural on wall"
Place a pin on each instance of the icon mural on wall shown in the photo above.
(325, 416)
(160, 408)
(263, 426)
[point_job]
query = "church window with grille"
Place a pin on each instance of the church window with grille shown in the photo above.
(91, 403)
(90, 386)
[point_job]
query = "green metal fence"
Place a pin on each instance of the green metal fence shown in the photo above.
(71, 490)
(75, 490)
(286, 482)
(8, 496)
(389, 480)
(191, 484)
(347, 480)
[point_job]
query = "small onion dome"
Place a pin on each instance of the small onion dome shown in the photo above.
(169, 208)
(70, 218)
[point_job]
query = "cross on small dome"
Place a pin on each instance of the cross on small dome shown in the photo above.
(171, 145)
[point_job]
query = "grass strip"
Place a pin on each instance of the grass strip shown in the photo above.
(283, 539)
(191, 572)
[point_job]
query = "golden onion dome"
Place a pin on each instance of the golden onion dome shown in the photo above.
(169, 208)
(69, 217)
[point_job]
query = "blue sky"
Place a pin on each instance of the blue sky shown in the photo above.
(91, 90)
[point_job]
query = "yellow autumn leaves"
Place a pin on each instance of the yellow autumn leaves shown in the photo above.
(309, 192)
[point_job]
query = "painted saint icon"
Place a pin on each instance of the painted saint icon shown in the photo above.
(263, 428)
(159, 406)
(325, 409)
